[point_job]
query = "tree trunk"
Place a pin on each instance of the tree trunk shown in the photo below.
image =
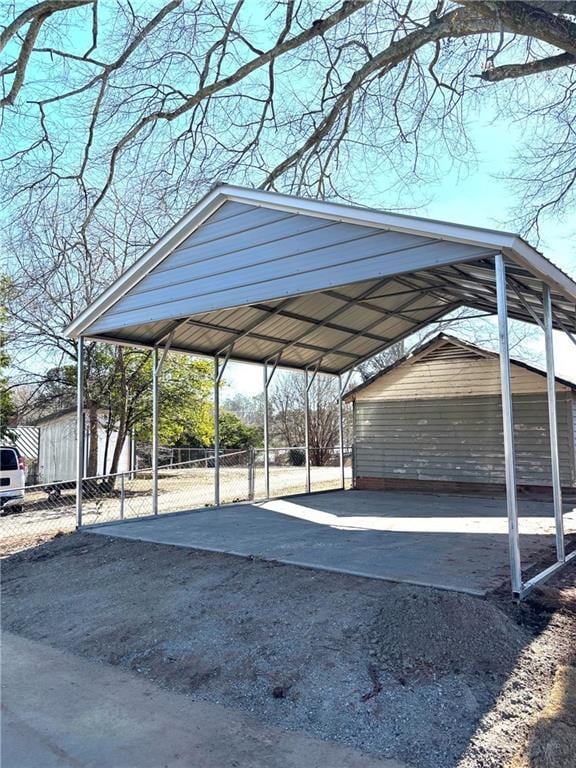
(92, 468)
(122, 427)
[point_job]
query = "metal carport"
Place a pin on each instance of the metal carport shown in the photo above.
(282, 281)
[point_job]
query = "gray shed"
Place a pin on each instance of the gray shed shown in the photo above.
(434, 420)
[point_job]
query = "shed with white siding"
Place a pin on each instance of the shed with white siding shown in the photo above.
(57, 447)
(434, 420)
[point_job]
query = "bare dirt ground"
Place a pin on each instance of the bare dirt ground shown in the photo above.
(434, 679)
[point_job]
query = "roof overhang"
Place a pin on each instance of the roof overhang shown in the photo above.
(312, 283)
(442, 341)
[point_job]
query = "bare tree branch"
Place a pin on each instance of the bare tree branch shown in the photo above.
(528, 19)
(39, 10)
(35, 16)
(510, 71)
(199, 92)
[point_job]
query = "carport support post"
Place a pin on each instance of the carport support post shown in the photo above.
(267, 382)
(266, 438)
(79, 427)
(341, 389)
(508, 426)
(552, 418)
(155, 372)
(218, 373)
(216, 432)
(341, 430)
(307, 430)
(309, 381)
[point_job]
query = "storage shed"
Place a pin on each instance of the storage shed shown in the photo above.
(434, 420)
(57, 447)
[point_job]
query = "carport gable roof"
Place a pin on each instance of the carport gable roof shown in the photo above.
(445, 340)
(266, 277)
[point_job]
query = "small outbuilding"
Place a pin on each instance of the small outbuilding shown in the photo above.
(58, 445)
(433, 420)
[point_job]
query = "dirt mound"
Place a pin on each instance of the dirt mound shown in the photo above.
(432, 633)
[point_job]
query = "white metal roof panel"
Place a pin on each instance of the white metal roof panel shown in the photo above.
(310, 254)
(317, 283)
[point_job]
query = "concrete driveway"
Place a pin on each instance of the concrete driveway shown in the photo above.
(444, 541)
(61, 711)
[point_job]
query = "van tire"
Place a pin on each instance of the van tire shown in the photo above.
(6, 510)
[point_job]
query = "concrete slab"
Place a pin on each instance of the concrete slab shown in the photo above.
(60, 710)
(448, 542)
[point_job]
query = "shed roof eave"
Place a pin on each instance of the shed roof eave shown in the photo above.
(438, 340)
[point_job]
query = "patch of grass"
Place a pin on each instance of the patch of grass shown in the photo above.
(551, 741)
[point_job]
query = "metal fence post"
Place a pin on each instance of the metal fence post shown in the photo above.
(250, 456)
(122, 496)
(131, 451)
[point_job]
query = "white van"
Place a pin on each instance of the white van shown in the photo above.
(12, 479)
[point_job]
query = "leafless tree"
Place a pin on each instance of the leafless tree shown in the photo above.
(54, 274)
(287, 405)
(115, 120)
(310, 97)
(471, 326)
(248, 408)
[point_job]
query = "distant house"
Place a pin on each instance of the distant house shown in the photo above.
(57, 447)
(434, 420)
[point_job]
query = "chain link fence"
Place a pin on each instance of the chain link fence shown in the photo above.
(47, 510)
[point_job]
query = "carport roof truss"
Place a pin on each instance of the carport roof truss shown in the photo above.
(263, 277)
